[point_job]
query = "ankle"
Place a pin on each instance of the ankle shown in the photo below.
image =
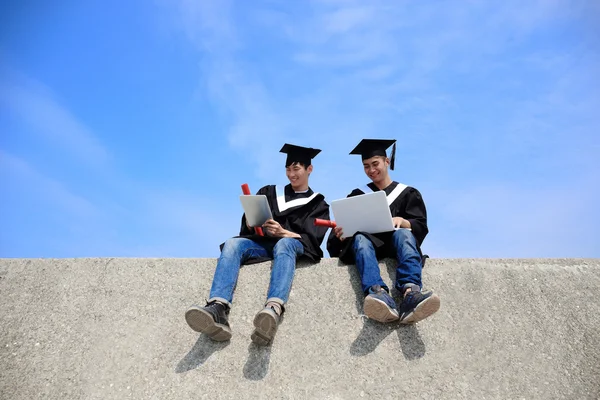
(409, 288)
(217, 302)
(278, 308)
(378, 289)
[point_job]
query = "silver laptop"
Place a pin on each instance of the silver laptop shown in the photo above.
(368, 213)
(256, 208)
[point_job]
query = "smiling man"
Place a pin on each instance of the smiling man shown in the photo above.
(289, 235)
(410, 220)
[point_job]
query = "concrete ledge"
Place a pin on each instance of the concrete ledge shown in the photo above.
(114, 329)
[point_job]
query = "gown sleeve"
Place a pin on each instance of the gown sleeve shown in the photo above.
(312, 236)
(416, 213)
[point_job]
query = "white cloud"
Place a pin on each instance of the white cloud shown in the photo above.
(455, 80)
(35, 106)
(345, 19)
(510, 220)
(26, 177)
(208, 24)
(114, 216)
(196, 221)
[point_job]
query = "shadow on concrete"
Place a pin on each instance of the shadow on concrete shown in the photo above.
(374, 332)
(410, 342)
(257, 365)
(198, 355)
(303, 264)
(355, 283)
(369, 337)
(390, 265)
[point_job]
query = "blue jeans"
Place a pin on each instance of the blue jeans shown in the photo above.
(237, 250)
(408, 257)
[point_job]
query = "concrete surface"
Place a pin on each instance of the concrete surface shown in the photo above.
(114, 329)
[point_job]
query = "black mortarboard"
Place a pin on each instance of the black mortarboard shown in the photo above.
(298, 154)
(368, 148)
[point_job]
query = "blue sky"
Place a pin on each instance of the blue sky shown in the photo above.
(127, 128)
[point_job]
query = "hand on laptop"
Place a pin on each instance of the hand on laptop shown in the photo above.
(339, 233)
(273, 228)
(400, 223)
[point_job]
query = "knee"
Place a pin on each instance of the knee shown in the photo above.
(231, 246)
(285, 246)
(403, 236)
(361, 242)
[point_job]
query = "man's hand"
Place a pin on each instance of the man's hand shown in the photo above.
(339, 233)
(400, 223)
(273, 228)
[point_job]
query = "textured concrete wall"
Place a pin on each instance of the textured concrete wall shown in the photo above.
(114, 329)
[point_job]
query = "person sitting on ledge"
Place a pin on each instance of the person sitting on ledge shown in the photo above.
(403, 244)
(290, 234)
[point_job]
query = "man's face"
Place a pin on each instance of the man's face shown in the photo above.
(298, 175)
(376, 168)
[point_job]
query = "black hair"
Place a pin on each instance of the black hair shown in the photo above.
(300, 164)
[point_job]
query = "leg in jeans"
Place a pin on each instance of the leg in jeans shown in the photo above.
(416, 305)
(235, 252)
(285, 252)
(366, 263)
(408, 271)
(378, 304)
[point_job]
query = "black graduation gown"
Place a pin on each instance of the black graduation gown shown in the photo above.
(295, 212)
(405, 202)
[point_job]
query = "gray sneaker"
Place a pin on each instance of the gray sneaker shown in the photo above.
(418, 305)
(380, 306)
(265, 326)
(211, 320)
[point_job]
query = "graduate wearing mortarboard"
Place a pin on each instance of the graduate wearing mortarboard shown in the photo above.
(404, 244)
(291, 234)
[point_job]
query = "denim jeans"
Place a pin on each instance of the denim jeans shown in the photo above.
(237, 250)
(408, 258)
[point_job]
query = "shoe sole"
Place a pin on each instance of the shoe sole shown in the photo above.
(425, 309)
(265, 326)
(203, 322)
(379, 311)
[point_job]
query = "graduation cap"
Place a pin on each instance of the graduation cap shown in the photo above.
(298, 154)
(368, 148)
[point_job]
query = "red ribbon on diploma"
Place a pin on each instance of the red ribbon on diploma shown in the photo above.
(325, 223)
(246, 191)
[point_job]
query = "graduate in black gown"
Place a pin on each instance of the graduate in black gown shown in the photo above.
(289, 235)
(404, 244)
